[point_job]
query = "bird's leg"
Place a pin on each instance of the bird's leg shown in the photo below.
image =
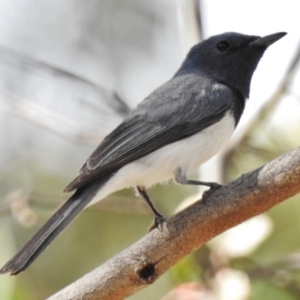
(159, 219)
(180, 177)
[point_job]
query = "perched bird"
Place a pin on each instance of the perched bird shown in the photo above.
(175, 129)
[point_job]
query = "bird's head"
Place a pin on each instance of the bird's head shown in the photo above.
(229, 58)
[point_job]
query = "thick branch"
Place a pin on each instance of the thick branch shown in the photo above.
(136, 267)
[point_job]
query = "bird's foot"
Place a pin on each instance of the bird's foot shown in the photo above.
(213, 187)
(158, 222)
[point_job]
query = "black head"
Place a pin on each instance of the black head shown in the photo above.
(229, 58)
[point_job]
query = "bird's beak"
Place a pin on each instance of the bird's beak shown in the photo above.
(268, 40)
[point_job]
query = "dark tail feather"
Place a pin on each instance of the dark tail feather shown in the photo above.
(52, 228)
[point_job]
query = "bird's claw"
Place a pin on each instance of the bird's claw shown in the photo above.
(213, 187)
(158, 222)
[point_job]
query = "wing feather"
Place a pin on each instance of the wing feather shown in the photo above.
(144, 132)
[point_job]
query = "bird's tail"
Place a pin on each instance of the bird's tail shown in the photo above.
(65, 214)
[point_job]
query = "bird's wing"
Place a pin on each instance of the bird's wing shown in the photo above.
(151, 126)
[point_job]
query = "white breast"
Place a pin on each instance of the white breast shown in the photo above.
(162, 164)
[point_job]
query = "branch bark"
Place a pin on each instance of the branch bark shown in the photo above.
(142, 263)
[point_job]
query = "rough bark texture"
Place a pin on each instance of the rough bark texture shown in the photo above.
(142, 263)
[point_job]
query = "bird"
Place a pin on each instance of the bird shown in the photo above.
(179, 126)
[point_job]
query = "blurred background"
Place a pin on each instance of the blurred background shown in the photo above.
(70, 71)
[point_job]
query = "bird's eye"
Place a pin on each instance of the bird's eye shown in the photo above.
(223, 46)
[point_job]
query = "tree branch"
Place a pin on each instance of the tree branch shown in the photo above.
(142, 263)
(189, 23)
